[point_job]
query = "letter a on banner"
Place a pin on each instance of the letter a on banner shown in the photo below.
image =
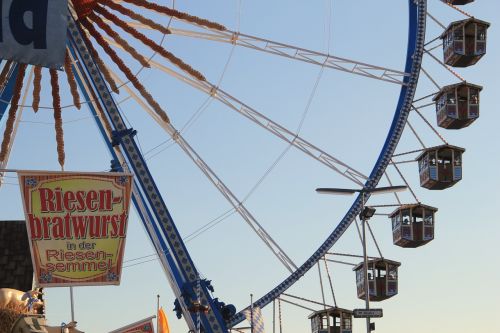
(34, 31)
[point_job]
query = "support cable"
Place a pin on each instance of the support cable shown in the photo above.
(416, 134)
(321, 285)
(374, 240)
(408, 152)
(348, 255)
(436, 20)
(359, 231)
(390, 184)
(429, 124)
(426, 105)
(307, 300)
(385, 206)
(435, 47)
(432, 41)
(403, 162)
(457, 9)
(330, 281)
(430, 78)
(341, 262)
(445, 66)
(425, 97)
(292, 303)
(404, 180)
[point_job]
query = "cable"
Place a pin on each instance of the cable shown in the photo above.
(298, 305)
(330, 281)
(374, 240)
(416, 134)
(321, 285)
(404, 180)
(429, 124)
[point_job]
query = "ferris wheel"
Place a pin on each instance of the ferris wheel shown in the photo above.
(106, 60)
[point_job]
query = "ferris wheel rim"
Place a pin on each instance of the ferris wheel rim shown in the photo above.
(415, 51)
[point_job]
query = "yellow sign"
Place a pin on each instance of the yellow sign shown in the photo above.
(76, 224)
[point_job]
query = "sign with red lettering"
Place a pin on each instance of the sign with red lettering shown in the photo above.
(77, 223)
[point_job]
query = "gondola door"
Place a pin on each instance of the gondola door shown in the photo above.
(433, 171)
(392, 280)
(451, 104)
(428, 229)
(372, 285)
(473, 110)
(396, 228)
(360, 283)
(457, 165)
(459, 39)
(480, 39)
(406, 225)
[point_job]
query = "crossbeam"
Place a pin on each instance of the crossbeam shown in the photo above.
(297, 53)
(290, 51)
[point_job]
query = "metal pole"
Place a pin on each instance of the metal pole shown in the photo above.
(274, 316)
(365, 260)
(157, 313)
(72, 304)
(251, 313)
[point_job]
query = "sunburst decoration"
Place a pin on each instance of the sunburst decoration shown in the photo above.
(3, 74)
(95, 17)
(37, 88)
(9, 127)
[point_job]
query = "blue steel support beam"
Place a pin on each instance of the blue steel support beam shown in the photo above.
(145, 214)
(211, 322)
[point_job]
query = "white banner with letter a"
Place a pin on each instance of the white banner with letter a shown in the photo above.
(34, 31)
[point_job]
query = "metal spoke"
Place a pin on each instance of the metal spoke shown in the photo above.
(216, 181)
(291, 52)
(297, 53)
(266, 123)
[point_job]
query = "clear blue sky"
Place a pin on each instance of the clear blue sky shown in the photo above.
(449, 285)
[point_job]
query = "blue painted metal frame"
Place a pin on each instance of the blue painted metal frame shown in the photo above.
(137, 197)
(187, 278)
(416, 37)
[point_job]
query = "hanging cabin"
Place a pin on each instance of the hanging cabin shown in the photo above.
(332, 320)
(413, 225)
(382, 279)
(464, 42)
(440, 167)
(457, 105)
(459, 2)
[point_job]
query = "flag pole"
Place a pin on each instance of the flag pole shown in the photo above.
(251, 313)
(157, 312)
(72, 303)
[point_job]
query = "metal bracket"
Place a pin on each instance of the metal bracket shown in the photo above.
(117, 136)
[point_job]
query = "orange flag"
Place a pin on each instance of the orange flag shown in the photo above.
(162, 322)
